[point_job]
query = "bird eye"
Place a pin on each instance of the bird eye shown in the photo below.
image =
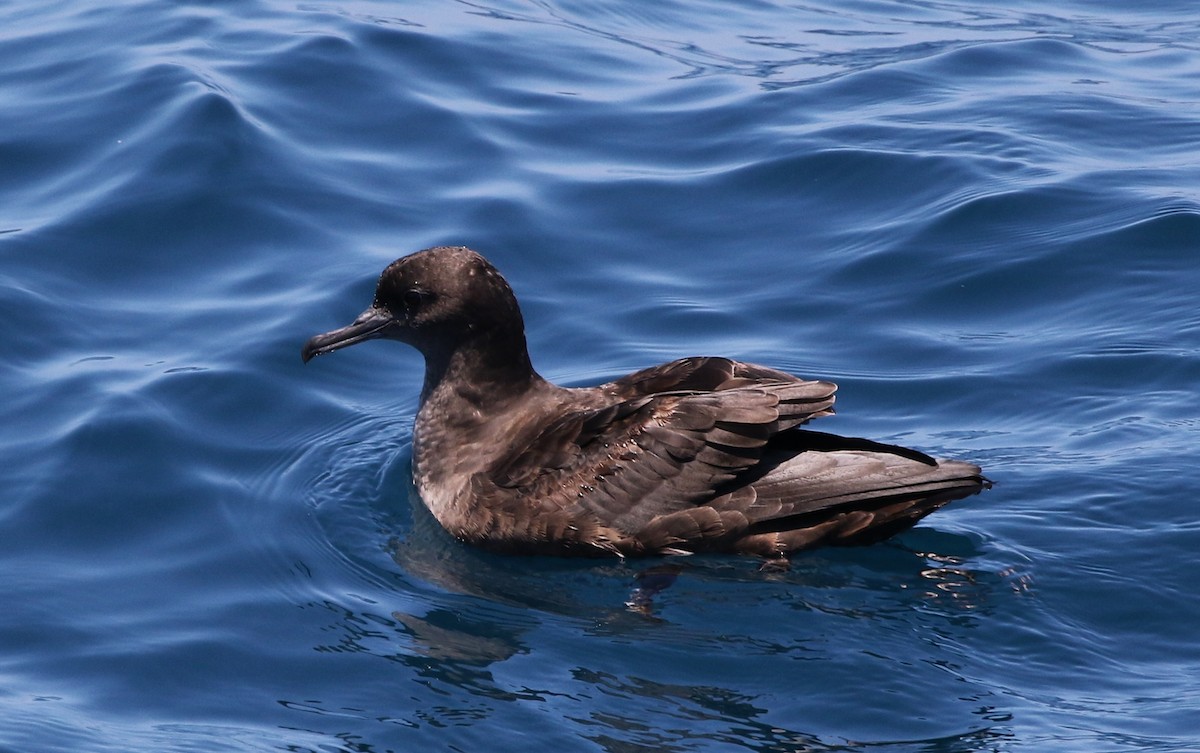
(413, 299)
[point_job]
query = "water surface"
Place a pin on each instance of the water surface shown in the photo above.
(981, 222)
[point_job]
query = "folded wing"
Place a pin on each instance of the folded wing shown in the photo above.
(705, 454)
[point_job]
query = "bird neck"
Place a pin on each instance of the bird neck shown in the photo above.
(478, 375)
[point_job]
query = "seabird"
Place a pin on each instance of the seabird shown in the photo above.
(702, 454)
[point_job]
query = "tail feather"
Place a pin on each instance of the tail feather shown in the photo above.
(845, 491)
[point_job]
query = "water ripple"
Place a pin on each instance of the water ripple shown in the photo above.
(980, 220)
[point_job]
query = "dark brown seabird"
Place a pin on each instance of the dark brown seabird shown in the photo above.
(697, 455)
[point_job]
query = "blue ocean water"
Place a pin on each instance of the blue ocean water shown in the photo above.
(983, 222)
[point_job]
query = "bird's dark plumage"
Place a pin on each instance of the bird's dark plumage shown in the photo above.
(700, 454)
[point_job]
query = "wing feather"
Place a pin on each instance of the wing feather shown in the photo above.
(650, 456)
(703, 454)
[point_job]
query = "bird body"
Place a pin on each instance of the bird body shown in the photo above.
(699, 454)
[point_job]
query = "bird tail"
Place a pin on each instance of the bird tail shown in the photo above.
(828, 490)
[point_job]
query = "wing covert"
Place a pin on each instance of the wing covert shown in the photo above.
(649, 456)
